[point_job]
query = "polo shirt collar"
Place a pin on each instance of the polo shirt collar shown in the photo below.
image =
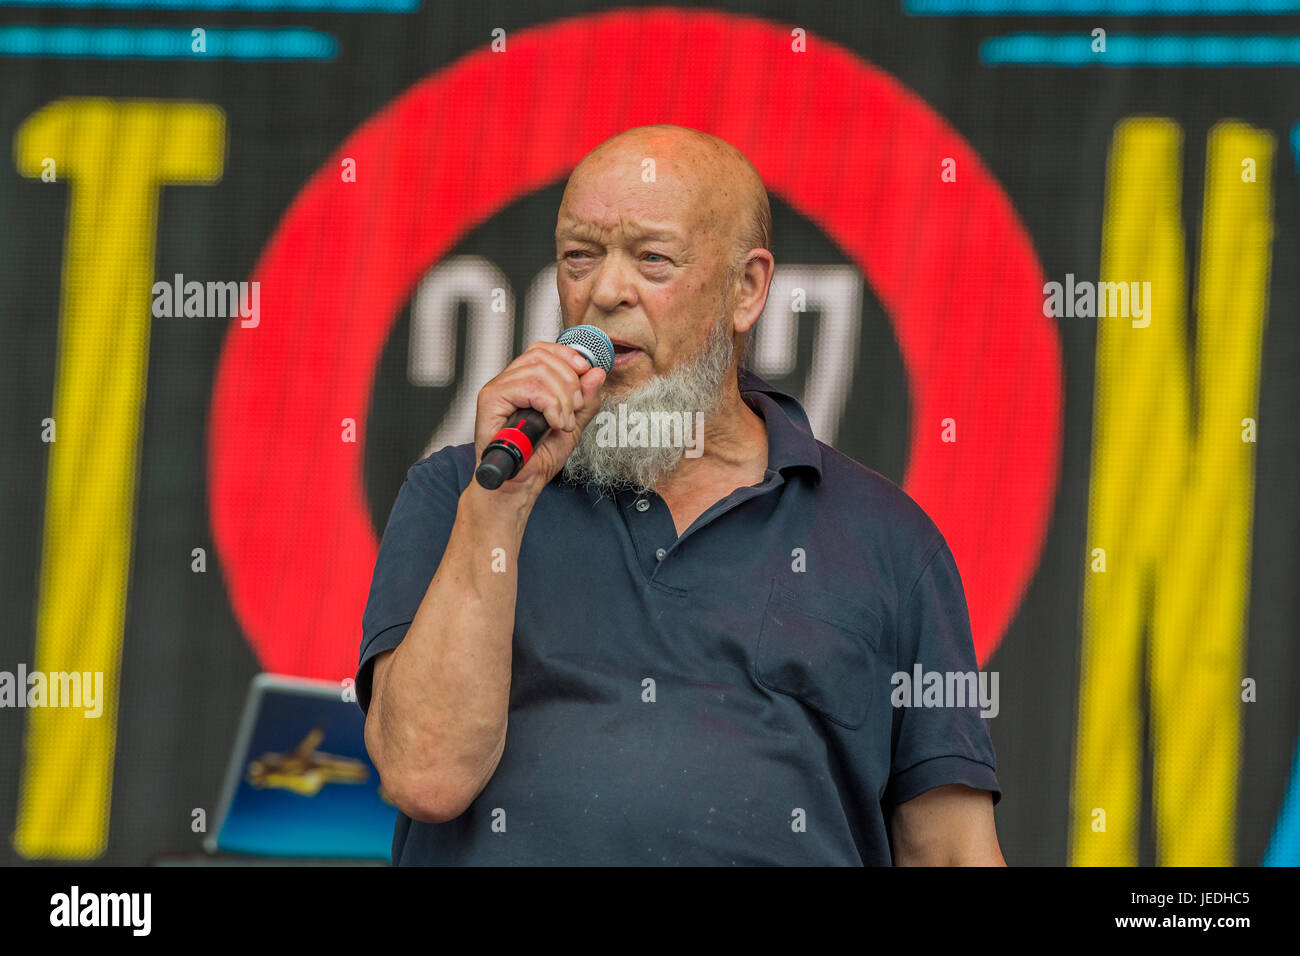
(790, 441)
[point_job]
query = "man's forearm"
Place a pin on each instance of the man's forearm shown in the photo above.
(441, 716)
(949, 825)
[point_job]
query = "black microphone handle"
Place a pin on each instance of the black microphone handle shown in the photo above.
(502, 459)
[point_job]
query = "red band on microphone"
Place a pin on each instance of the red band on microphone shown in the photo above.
(519, 440)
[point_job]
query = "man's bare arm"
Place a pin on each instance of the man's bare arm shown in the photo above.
(437, 720)
(950, 825)
(436, 725)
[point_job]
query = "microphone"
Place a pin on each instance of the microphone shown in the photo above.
(513, 445)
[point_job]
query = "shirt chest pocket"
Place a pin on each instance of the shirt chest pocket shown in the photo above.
(821, 649)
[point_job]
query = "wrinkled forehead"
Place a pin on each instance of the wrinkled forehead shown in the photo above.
(633, 192)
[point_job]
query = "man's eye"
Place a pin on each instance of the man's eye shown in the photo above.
(574, 252)
(657, 256)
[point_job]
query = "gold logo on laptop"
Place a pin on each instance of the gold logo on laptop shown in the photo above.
(305, 770)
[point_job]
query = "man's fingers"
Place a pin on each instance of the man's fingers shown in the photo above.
(570, 356)
(537, 390)
(589, 387)
(549, 377)
(547, 386)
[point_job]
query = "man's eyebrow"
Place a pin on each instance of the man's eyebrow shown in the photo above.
(657, 235)
(580, 231)
(573, 232)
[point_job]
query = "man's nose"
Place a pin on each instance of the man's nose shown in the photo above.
(613, 284)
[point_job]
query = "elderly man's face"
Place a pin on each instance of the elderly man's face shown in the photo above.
(645, 262)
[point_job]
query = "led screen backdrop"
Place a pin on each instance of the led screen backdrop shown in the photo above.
(1038, 269)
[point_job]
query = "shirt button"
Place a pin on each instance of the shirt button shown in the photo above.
(659, 554)
(642, 505)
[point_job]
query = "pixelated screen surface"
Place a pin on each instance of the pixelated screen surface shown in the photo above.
(260, 257)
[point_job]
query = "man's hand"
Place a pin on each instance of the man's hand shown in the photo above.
(557, 381)
(946, 826)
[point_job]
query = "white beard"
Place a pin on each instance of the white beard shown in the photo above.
(693, 386)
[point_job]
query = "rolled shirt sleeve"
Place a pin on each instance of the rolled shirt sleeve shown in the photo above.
(937, 745)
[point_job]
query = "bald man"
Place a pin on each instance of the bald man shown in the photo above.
(679, 645)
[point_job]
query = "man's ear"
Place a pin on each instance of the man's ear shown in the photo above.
(754, 280)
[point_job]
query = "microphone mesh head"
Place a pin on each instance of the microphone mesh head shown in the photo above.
(592, 343)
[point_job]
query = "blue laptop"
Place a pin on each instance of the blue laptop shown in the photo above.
(300, 783)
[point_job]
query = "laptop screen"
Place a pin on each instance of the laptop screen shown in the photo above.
(300, 783)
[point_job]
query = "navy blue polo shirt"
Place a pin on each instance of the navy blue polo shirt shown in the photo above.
(719, 698)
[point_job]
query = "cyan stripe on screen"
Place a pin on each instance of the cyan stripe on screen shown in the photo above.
(296, 6)
(1284, 847)
(1078, 8)
(1126, 50)
(166, 43)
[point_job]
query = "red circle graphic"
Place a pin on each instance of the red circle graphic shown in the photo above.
(839, 140)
